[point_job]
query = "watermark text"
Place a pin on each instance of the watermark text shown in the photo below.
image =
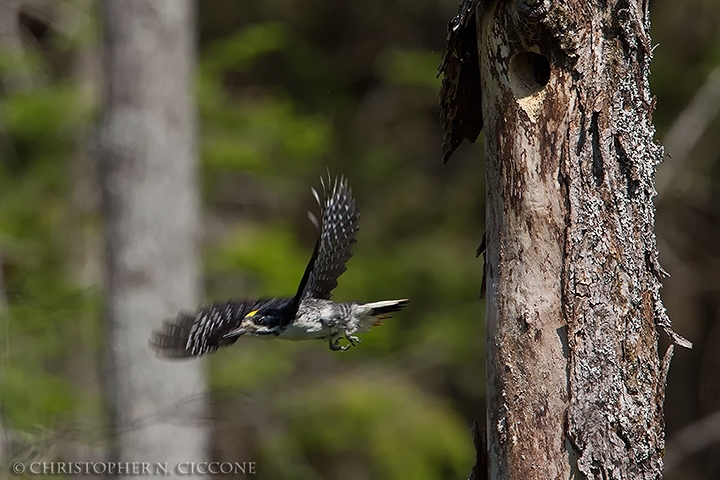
(133, 468)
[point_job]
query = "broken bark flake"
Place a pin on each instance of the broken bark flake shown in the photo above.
(482, 250)
(480, 469)
(460, 99)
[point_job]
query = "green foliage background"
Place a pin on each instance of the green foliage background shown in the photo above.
(286, 91)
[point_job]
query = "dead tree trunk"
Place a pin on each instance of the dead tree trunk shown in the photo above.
(150, 201)
(575, 384)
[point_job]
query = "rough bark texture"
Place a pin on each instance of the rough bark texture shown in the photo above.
(150, 198)
(575, 383)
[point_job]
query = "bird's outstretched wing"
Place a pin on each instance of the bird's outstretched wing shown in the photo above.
(338, 227)
(217, 325)
(194, 334)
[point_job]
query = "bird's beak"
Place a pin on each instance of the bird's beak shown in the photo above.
(235, 333)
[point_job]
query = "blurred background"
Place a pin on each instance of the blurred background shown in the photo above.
(287, 89)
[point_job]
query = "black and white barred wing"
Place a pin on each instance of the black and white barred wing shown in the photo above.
(338, 227)
(195, 334)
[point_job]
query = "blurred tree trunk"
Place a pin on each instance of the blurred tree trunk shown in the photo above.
(575, 384)
(150, 202)
(4, 344)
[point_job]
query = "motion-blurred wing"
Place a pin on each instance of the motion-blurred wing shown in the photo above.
(338, 227)
(195, 334)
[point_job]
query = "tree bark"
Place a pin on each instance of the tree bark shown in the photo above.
(150, 201)
(575, 384)
(575, 381)
(527, 386)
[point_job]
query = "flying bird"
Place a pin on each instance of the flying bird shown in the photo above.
(310, 314)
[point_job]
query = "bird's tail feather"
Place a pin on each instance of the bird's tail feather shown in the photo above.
(385, 307)
(372, 314)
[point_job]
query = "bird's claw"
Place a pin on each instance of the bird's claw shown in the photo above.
(353, 340)
(335, 345)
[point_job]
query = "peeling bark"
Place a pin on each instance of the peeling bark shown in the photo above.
(460, 100)
(575, 383)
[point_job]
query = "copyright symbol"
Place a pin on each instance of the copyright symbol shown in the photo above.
(18, 468)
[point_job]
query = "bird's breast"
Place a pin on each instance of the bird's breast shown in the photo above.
(305, 328)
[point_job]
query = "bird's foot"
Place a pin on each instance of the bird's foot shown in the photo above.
(353, 339)
(335, 345)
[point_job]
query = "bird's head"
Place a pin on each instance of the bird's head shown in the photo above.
(264, 316)
(268, 319)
